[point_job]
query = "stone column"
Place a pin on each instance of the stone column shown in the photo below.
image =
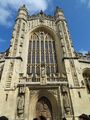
(27, 97)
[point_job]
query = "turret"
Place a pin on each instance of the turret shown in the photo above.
(22, 13)
(59, 14)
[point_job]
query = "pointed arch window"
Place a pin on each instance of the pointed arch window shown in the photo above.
(41, 50)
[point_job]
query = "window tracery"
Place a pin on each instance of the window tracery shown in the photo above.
(41, 51)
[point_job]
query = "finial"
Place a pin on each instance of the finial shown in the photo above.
(23, 7)
(41, 12)
(58, 9)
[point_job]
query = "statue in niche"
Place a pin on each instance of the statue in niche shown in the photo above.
(43, 71)
(64, 89)
(66, 103)
(22, 90)
(20, 106)
(66, 99)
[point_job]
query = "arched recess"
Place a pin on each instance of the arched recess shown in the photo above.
(51, 103)
(86, 75)
(3, 118)
(51, 31)
(54, 35)
(43, 109)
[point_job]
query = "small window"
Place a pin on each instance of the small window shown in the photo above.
(79, 94)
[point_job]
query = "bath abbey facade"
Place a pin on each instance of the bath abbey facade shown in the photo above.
(41, 75)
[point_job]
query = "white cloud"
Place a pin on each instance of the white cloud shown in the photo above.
(7, 7)
(83, 51)
(86, 2)
(4, 16)
(83, 1)
(2, 40)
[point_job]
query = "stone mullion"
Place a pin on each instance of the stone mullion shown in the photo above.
(55, 57)
(44, 53)
(49, 56)
(53, 53)
(31, 58)
(31, 53)
(35, 54)
(40, 52)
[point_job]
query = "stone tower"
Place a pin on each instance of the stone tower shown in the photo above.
(41, 76)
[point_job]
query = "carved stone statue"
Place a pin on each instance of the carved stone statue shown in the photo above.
(66, 102)
(22, 90)
(43, 72)
(20, 106)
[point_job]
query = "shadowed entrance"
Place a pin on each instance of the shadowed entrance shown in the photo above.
(43, 109)
(40, 118)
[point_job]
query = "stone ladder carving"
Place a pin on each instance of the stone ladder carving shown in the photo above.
(8, 82)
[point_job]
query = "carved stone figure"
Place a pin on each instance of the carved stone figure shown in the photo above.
(66, 103)
(20, 106)
(43, 72)
(22, 90)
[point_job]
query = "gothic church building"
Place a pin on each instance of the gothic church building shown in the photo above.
(41, 75)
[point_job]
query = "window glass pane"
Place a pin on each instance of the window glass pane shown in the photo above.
(33, 45)
(46, 45)
(37, 57)
(29, 58)
(55, 58)
(51, 58)
(50, 46)
(38, 45)
(42, 57)
(47, 58)
(33, 57)
(42, 46)
(39, 53)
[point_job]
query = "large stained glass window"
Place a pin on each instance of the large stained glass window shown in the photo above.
(41, 51)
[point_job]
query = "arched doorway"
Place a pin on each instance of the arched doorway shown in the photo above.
(3, 118)
(51, 103)
(43, 109)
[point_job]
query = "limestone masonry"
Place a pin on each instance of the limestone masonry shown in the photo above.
(41, 75)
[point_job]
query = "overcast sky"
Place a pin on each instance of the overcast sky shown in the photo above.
(77, 13)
